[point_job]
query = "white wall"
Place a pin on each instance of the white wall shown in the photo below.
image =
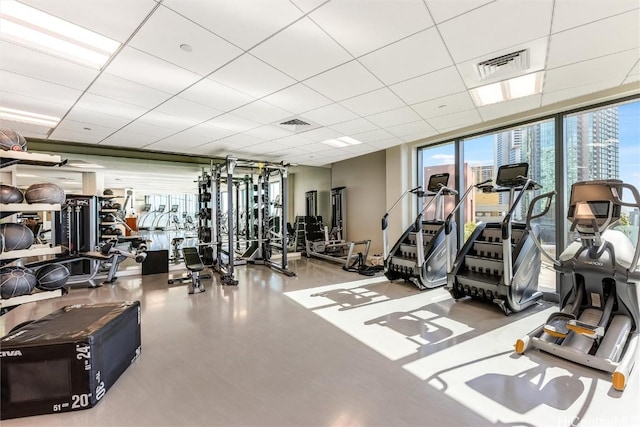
(309, 178)
(365, 180)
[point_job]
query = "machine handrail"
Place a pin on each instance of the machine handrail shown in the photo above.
(385, 219)
(447, 223)
(636, 195)
(549, 197)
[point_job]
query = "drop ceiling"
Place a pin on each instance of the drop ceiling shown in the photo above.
(385, 72)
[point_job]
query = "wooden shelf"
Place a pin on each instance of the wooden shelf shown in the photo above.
(26, 207)
(35, 250)
(8, 158)
(108, 223)
(108, 210)
(35, 296)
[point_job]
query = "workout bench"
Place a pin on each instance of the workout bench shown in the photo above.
(194, 264)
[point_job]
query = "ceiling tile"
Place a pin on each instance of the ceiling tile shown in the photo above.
(241, 75)
(330, 114)
(238, 141)
(165, 121)
(128, 139)
(261, 112)
(241, 22)
(599, 69)
(372, 136)
(576, 91)
(430, 86)
(233, 123)
(566, 15)
(467, 37)
(314, 147)
(345, 81)
(373, 102)
(32, 105)
(38, 89)
(192, 137)
(415, 137)
(127, 91)
(441, 10)
(216, 95)
(183, 108)
(507, 108)
(90, 118)
(386, 143)
(147, 128)
(413, 128)
(394, 117)
(268, 132)
(31, 63)
(292, 141)
(27, 130)
(634, 74)
(587, 41)
(321, 134)
(455, 120)
(362, 26)
(64, 134)
(460, 101)
(301, 50)
(297, 99)
(209, 51)
(140, 67)
(112, 107)
(308, 5)
(81, 131)
(116, 19)
(416, 55)
(354, 126)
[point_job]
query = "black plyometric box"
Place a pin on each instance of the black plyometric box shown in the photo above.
(68, 359)
(156, 262)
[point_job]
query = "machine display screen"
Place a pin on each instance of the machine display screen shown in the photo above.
(44, 380)
(509, 175)
(436, 180)
(588, 210)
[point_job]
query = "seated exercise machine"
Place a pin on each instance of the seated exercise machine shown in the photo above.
(193, 263)
(420, 255)
(597, 325)
(319, 245)
(499, 263)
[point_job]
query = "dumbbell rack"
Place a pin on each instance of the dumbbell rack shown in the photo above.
(205, 222)
(106, 227)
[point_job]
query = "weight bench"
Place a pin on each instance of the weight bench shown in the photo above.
(194, 264)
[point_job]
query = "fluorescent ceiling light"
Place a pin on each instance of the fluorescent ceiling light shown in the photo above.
(335, 143)
(349, 140)
(518, 87)
(23, 24)
(28, 117)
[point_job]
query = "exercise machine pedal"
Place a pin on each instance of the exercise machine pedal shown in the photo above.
(556, 325)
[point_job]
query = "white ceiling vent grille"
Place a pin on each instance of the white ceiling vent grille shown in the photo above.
(297, 124)
(510, 63)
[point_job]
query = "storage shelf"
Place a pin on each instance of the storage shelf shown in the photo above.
(8, 158)
(35, 250)
(35, 296)
(108, 223)
(108, 210)
(26, 207)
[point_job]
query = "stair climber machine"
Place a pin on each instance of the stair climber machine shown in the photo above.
(499, 263)
(597, 325)
(419, 256)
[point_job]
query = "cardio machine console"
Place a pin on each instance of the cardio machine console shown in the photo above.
(437, 180)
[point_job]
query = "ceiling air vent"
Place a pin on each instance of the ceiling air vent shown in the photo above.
(295, 122)
(505, 64)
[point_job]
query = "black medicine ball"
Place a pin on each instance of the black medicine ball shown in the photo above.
(9, 194)
(45, 192)
(16, 281)
(51, 277)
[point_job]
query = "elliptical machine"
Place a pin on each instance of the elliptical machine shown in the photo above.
(597, 325)
(499, 263)
(419, 256)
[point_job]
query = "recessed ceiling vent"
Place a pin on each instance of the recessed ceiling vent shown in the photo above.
(511, 63)
(297, 124)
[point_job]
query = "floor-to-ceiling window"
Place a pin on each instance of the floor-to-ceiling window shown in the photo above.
(432, 161)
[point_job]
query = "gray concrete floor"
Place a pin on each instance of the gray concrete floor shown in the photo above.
(331, 348)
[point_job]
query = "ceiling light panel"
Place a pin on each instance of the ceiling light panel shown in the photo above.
(127, 91)
(430, 86)
(362, 26)
(399, 61)
(42, 66)
(23, 24)
(297, 99)
(373, 102)
(21, 116)
(345, 81)
(335, 143)
(105, 17)
(313, 50)
(507, 31)
(140, 67)
(154, 38)
(242, 22)
(240, 75)
(587, 41)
